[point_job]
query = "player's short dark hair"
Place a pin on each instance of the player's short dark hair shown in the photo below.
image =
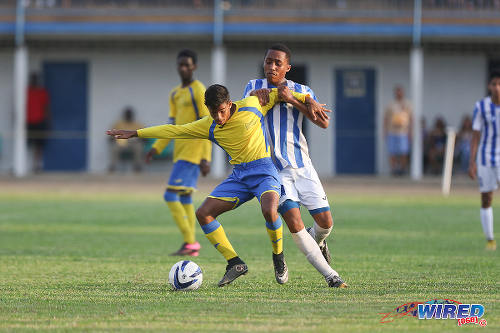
(189, 54)
(215, 95)
(494, 75)
(283, 48)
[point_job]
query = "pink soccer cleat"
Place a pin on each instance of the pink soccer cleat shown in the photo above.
(188, 249)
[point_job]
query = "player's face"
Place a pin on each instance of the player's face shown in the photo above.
(185, 68)
(494, 87)
(276, 66)
(222, 113)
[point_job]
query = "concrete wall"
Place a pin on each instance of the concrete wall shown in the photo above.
(142, 79)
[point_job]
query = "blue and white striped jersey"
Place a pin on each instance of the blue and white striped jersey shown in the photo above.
(284, 127)
(485, 119)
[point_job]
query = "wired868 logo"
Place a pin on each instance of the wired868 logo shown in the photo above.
(439, 309)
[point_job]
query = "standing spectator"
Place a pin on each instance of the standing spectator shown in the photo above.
(437, 144)
(121, 147)
(464, 138)
(397, 130)
(37, 119)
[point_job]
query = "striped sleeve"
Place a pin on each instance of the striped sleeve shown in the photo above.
(248, 89)
(477, 124)
(311, 93)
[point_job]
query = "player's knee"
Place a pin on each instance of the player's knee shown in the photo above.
(270, 213)
(486, 200)
(294, 223)
(325, 221)
(202, 215)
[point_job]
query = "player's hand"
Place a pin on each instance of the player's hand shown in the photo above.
(150, 154)
(121, 134)
(284, 94)
(204, 167)
(317, 110)
(262, 95)
(472, 170)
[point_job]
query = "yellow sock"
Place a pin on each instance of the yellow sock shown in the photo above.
(275, 232)
(187, 204)
(216, 235)
(181, 219)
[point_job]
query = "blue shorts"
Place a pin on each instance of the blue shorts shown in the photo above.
(398, 144)
(248, 180)
(184, 176)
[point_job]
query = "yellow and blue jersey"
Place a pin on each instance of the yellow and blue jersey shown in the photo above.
(186, 106)
(242, 136)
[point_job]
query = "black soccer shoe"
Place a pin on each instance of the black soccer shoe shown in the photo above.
(324, 249)
(335, 282)
(325, 252)
(233, 271)
(280, 269)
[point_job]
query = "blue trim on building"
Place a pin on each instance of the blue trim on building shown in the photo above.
(204, 28)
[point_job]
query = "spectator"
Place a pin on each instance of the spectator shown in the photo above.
(397, 130)
(121, 148)
(437, 143)
(464, 138)
(37, 119)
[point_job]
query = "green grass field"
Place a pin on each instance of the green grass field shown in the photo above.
(100, 262)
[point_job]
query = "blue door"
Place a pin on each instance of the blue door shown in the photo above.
(66, 149)
(355, 121)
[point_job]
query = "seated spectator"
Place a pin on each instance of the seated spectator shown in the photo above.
(464, 138)
(121, 148)
(437, 144)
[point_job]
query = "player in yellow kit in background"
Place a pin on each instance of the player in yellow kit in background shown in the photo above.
(237, 128)
(190, 156)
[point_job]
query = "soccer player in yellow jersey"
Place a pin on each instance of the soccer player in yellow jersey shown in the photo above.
(237, 128)
(190, 156)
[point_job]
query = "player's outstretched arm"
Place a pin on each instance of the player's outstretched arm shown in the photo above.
(121, 134)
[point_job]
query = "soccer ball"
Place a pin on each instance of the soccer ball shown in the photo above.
(185, 275)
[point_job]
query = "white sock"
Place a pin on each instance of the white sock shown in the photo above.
(308, 246)
(318, 233)
(487, 222)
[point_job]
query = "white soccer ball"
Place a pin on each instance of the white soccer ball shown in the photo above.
(185, 275)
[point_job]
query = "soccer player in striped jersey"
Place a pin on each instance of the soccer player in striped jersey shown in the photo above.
(237, 128)
(485, 153)
(299, 179)
(190, 156)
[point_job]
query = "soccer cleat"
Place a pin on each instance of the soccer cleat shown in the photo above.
(491, 245)
(324, 249)
(233, 272)
(335, 282)
(325, 252)
(280, 269)
(187, 249)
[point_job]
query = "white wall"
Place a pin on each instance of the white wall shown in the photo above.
(143, 79)
(452, 86)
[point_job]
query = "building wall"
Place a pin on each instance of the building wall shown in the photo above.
(143, 78)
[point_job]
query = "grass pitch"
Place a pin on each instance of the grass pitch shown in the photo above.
(96, 262)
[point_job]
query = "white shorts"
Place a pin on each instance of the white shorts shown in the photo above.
(488, 178)
(303, 185)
